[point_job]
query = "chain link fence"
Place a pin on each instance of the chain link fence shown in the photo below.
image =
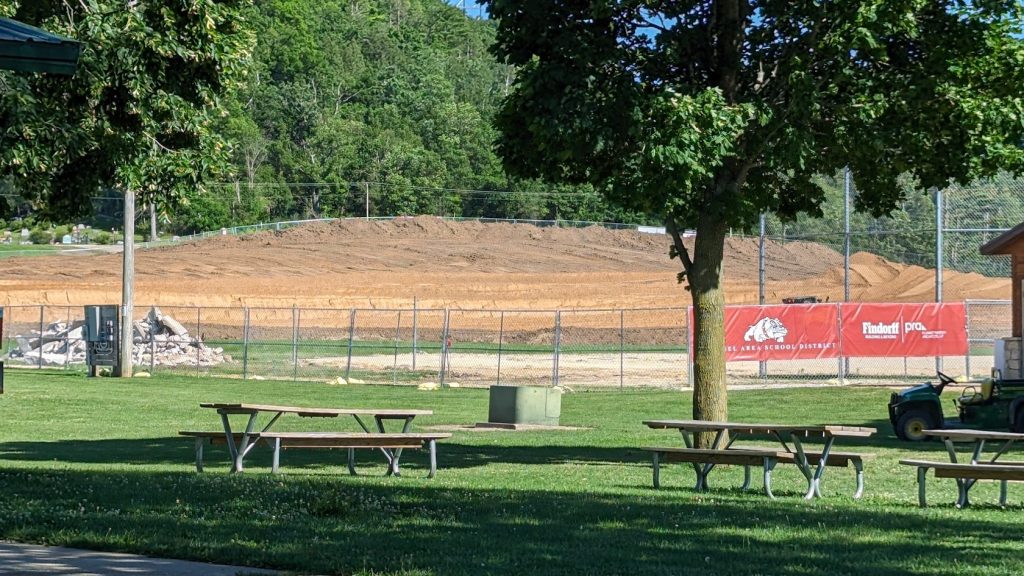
(621, 348)
(937, 229)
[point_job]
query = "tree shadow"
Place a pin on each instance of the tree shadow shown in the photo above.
(339, 525)
(181, 451)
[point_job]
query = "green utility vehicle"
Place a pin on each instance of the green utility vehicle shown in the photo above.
(996, 404)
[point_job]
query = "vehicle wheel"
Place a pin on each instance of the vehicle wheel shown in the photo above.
(911, 423)
(1018, 421)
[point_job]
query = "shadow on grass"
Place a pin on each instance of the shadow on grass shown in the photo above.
(451, 454)
(181, 451)
(331, 525)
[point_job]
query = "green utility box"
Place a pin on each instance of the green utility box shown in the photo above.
(525, 405)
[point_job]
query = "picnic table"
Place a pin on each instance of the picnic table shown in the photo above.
(980, 466)
(390, 444)
(790, 450)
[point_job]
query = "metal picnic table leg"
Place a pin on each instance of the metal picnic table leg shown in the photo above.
(769, 464)
(243, 444)
(964, 485)
(1002, 484)
(387, 453)
(952, 458)
(703, 470)
(813, 479)
(922, 475)
(199, 453)
(277, 456)
(397, 454)
(230, 438)
(432, 446)
(858, 465)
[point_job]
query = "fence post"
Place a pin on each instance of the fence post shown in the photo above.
(414, 332)
(295, 342)
(40, 362)
(940, 220)
(67, 342)
(967, 356)
(558, 346)
(762, 366)
(445, 340)
(501, 337)
(245, 343)
(622, 348)
(842, 368)
(394, 363)
(351, 331)
(197, 336)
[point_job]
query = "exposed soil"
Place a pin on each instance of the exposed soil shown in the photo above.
(467, 265)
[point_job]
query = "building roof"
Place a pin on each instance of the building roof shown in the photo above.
(1003, 243)
(29, 49)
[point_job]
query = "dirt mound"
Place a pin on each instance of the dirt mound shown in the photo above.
(442, 263)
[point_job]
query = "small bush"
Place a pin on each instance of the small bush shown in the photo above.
(101, 237)
(40, 236)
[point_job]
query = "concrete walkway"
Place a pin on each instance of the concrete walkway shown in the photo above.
(31, 559)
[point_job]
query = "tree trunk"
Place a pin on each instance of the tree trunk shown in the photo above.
(710, 398)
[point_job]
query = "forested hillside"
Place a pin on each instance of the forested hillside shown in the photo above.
(386, 99)
(385, 107)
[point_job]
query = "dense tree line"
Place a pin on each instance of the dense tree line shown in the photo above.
(391, 99)
(387, 107)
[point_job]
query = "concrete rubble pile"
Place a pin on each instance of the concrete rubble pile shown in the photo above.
(158, 339)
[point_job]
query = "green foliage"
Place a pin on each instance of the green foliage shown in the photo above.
(137, 115)
(713, 112)
(40, 236)
(204, 213)
(101, 237)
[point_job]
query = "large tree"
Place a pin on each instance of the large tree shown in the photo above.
(139, 112)
(712, 112)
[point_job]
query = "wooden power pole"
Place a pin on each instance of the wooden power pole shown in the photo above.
(128, 284)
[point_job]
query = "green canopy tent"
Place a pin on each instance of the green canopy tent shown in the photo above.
(29, 49)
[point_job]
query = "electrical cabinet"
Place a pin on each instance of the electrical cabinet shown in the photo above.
(102, 338)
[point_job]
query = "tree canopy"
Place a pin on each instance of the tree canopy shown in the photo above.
(139, 112)
(712, 112)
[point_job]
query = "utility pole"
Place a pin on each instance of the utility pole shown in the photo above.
(128, 283)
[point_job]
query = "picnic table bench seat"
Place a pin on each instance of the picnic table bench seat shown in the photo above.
(326, 440)
(747, 456)
(1003, 471)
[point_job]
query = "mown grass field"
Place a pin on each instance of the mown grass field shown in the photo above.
(96, 463)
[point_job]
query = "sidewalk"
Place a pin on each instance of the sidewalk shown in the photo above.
(31, 559)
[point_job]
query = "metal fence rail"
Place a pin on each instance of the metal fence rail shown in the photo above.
(575, 348)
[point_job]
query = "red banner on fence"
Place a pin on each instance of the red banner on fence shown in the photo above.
(904, 330)
(781, 332)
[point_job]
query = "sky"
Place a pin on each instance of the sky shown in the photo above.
(469, 6)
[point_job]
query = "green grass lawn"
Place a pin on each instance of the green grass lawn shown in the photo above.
(96, 463)
(11, 250)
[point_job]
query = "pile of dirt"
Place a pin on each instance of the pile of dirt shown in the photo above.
(472, 265)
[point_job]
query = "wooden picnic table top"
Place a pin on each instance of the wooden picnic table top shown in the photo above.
(975, 435)
(748, 428)
(243, 408)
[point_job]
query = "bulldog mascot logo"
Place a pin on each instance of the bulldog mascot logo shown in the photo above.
(766, 329)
